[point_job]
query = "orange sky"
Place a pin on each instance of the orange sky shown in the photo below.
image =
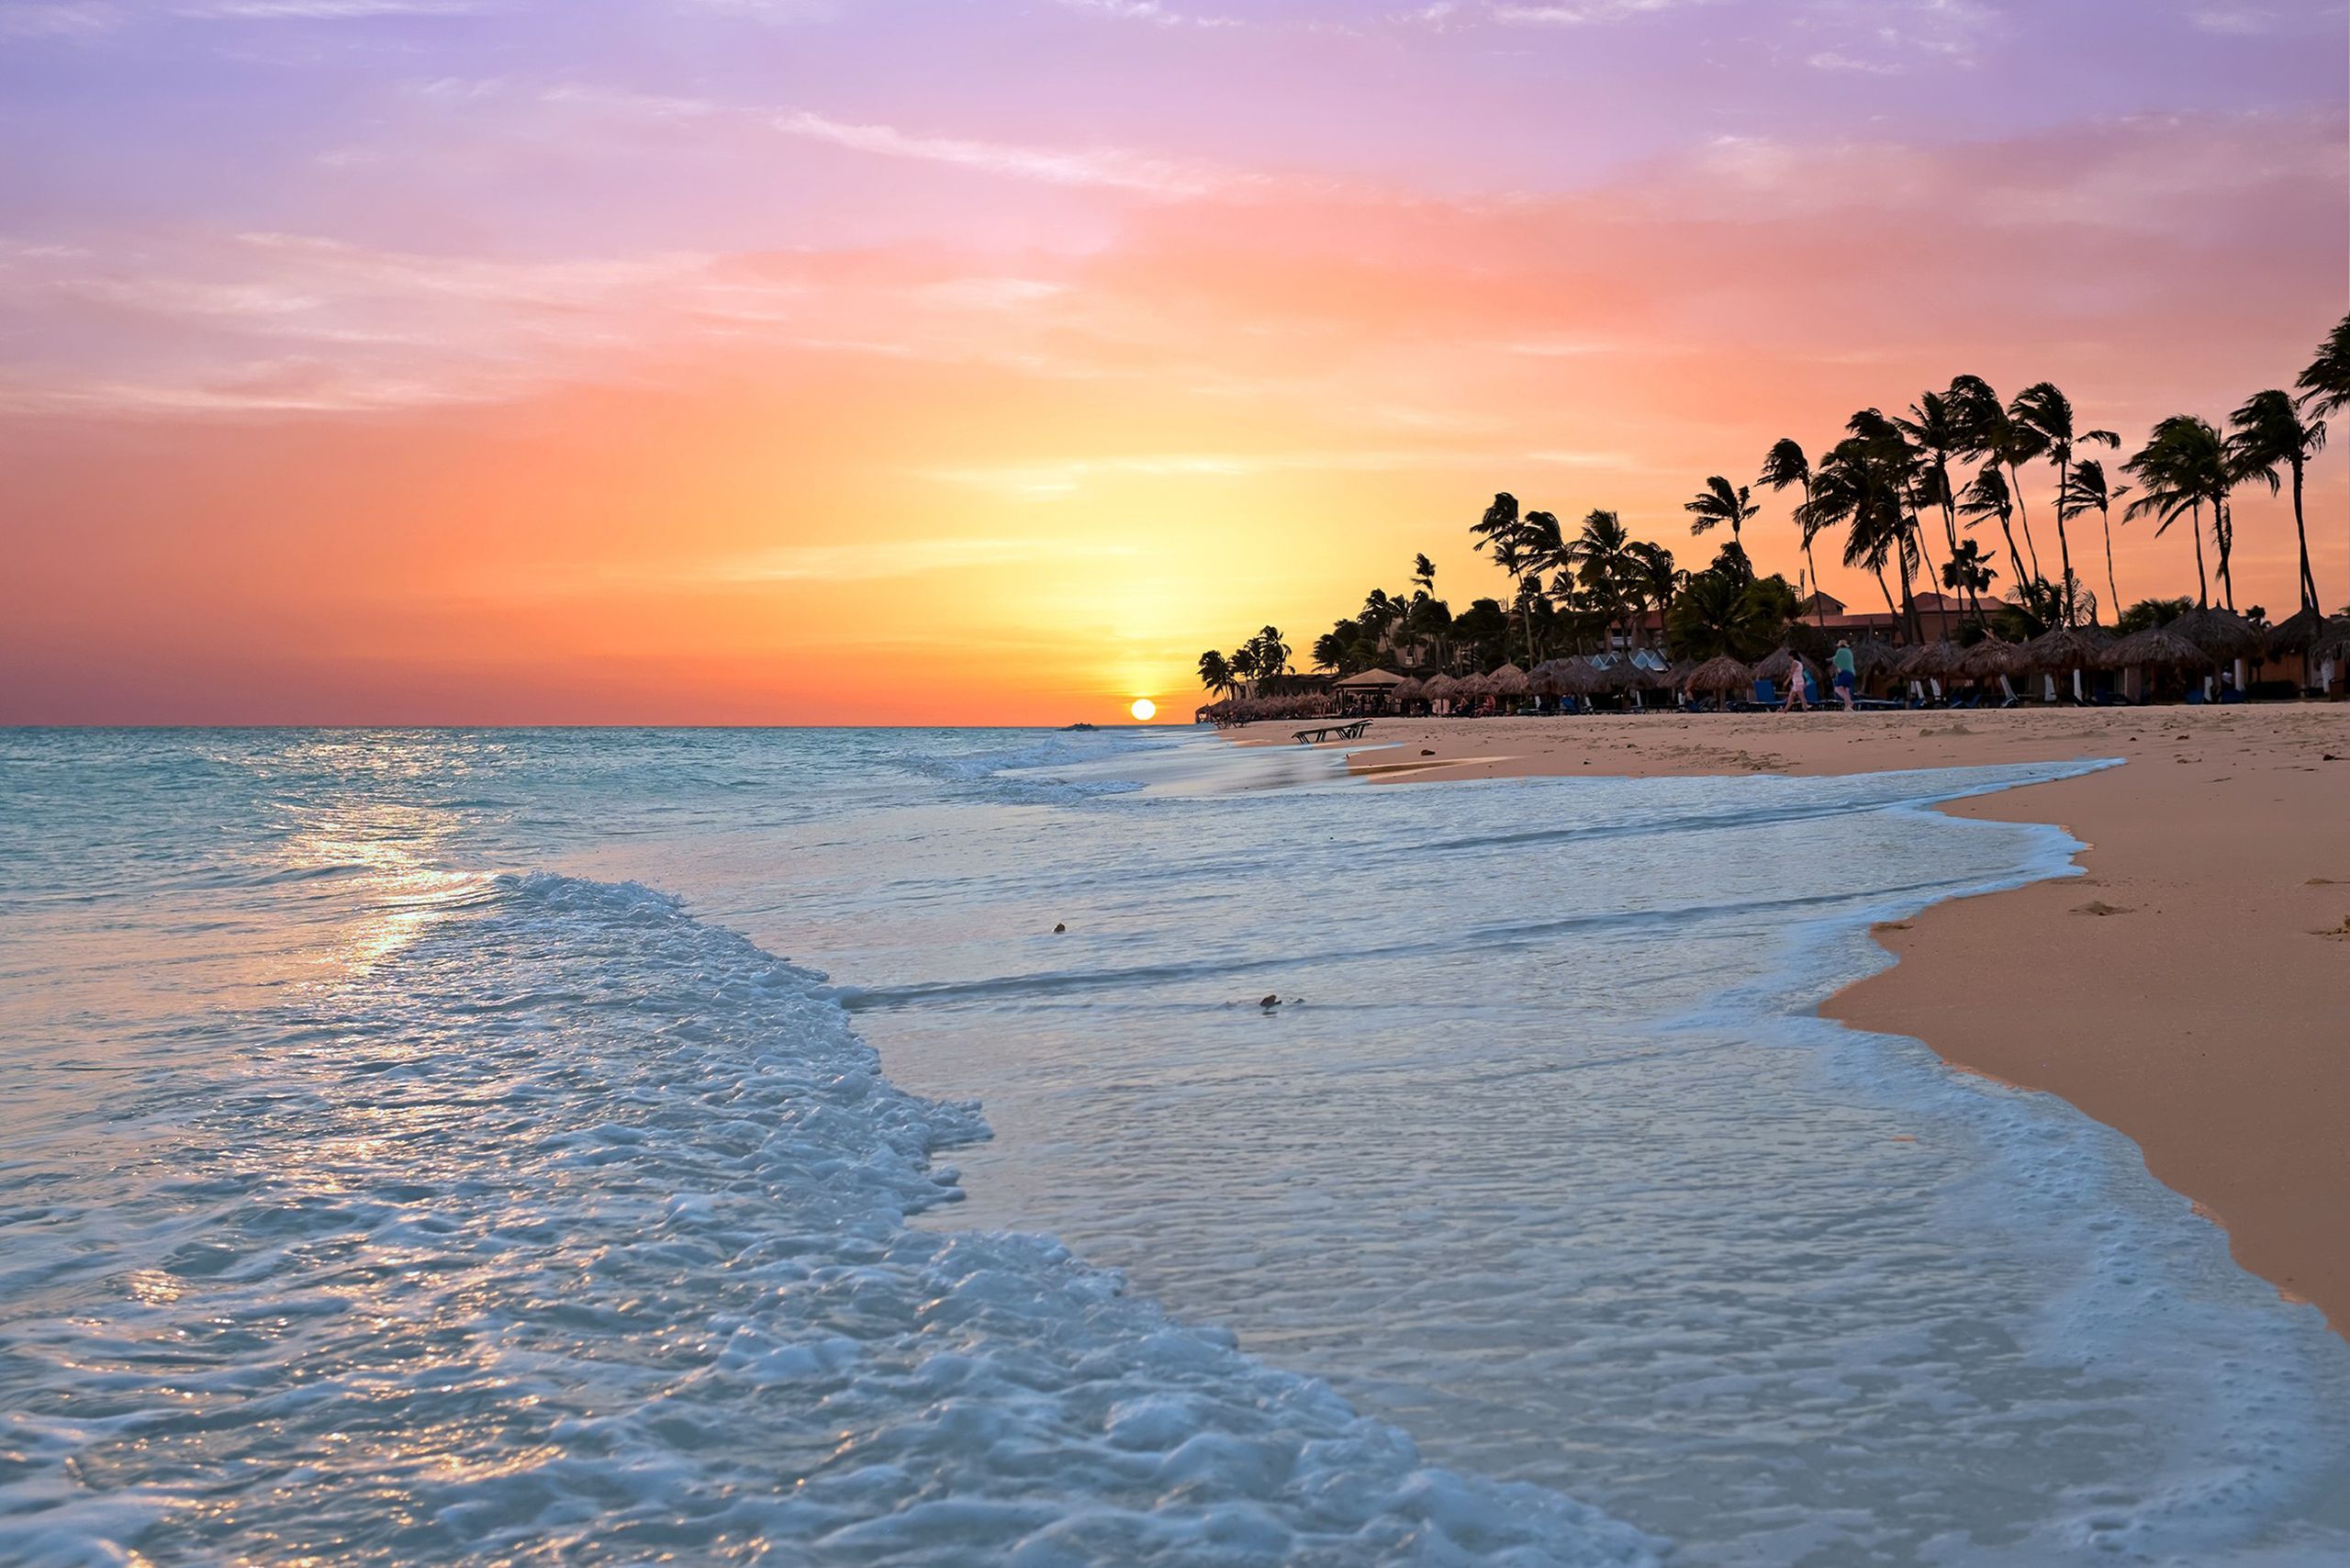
(1091, 408)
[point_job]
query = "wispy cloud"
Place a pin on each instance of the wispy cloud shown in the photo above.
(1581, 11)
(62, 19)
(1109, 167)
(329, 10)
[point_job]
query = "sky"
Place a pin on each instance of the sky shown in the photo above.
(941, 361)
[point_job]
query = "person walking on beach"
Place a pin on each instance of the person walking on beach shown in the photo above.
(1845, 672)
(1799, 677)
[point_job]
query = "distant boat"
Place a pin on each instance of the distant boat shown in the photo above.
(1080, 726)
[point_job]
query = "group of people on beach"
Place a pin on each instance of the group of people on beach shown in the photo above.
(1844, 680)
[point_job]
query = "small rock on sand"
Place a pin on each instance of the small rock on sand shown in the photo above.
(2098, 906)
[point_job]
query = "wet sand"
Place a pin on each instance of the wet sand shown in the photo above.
(2192, 990)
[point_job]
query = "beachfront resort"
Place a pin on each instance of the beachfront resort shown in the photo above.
(1936, 506)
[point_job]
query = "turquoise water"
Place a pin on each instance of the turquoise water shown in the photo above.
(484, 1147)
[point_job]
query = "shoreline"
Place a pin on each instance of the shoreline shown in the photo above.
(2190, 989)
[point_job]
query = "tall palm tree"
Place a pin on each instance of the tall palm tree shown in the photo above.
(1785, 464)
(2325, 385)
(1424, 574)
(1992, 431)
(1722, 502)
(1243, 665)
(2182, 468)
(1988, 496)
(1901, 464)
(2088, 490)
(2046, 415)
(1217, 675)
(1653, 578)
(2270, 434)
(1935, 427)
(1851, 491)
(1601, 558)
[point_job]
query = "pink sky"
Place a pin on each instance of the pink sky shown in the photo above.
(800, 362)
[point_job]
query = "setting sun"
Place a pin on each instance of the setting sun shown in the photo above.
(1143, 710)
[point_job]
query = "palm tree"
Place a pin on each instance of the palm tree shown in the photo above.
(2088, 490)
(1600, 557)
(1968, 573)
(1935, 428)
(1717, 614)
(1785, 465)
(2270, 434)
(1989, 496)
(1722, 502)
(1272, 654)
(2046, 415)
(1653, 578)
(1243, 665)
(1900, 466)
(1510, 555)
(1849, 489)
(2182, 468)
(1991, 431)
(1424, 574)
(1217, 675)
(2325, 385)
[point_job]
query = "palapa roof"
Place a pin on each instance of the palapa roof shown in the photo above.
(1988, 659)
(1411, 688)
(1778, 667)
(1509, 681)
(2157, 647)
(2065, 648)
(1937, 660)
(2335, 644)
(1871, 654)
(1473, 685)
(2297, 634)
(2223, 633)
(1580, 678)
(1370, 680)
(1439, 685)
(1724, 674)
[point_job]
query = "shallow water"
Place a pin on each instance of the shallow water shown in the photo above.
(377, 1194)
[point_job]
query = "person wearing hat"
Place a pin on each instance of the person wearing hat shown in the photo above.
(1844, 671)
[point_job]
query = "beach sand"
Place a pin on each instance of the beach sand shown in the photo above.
(2192, 990)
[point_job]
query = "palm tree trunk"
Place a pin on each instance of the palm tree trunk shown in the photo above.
(2015, 557)
(2064, 543)
(2105, 516)
(1926, 558)
(2301, 529)
(1885, 588)
(2203, 583)
(2224, 536)
(2023, 515)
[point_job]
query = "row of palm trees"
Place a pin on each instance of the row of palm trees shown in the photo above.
(1261, 656)
(1895, 490)
(1958, 457)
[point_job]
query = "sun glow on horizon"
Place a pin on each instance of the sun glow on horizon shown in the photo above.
(1143, 709)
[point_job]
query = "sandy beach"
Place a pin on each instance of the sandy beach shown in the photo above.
(2192, 989)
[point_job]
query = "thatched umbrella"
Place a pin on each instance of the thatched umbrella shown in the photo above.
(1509, 681)
(1583, 679)
(2297, 634)
(1724, 674)
(2223, 633)
(1938, 660)
(1472, 688)
(2067, 648)
(1413, 690)
(1988, 660)
(2157, 647)
(1871, 654)
(1780, 665)
(2333, 643)
(1440, 688)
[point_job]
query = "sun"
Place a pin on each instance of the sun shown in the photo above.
(1143, 710)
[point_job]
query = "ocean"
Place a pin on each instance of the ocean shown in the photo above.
(876, 1147)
